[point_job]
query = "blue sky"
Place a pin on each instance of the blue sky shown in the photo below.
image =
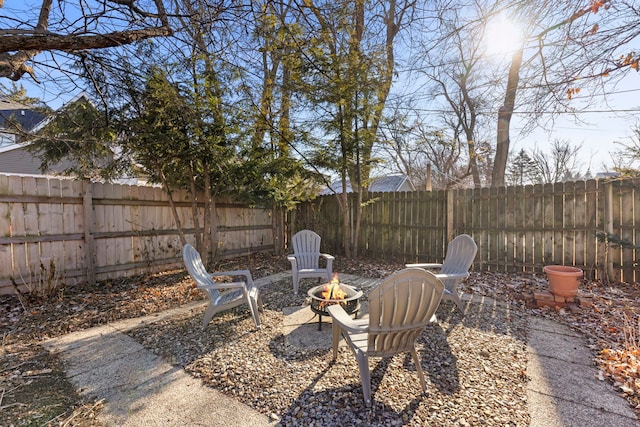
(606, 121)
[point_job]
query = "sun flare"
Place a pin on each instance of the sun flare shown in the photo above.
(502, 37)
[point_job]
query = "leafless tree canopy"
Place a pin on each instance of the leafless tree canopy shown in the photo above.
(74, 26)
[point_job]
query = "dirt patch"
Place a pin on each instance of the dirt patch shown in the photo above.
(35, 390)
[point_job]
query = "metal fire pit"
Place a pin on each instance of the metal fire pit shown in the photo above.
(319, 304)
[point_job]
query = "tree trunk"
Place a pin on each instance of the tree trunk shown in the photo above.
(504, 120)
(194, 208)
(346, 229)
(174, 211)
(208, 214)
(277, 228)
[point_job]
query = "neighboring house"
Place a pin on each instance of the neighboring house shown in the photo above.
(15, 116)
(382, 184)
(607, 175)
(14, 157)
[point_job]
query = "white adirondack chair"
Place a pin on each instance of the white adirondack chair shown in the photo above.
(222, 296)
(455, 269)
(399, 310)
(305, 260)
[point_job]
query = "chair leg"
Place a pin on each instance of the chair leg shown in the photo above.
(208, 315)
(365, 377)
(253, 306)
(455, 297)
(296, 282)
(336, 332)
(260, 306)
(416, 360)
(252, 300)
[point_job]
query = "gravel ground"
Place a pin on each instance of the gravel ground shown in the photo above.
(475, 366)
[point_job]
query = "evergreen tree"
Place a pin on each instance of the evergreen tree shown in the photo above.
(522, 170)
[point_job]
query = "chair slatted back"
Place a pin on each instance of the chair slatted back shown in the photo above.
(399, 310)
(306, 247)
(461, 252)
(197, 271)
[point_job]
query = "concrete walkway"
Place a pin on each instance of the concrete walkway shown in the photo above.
(140, 389)
(564, 389)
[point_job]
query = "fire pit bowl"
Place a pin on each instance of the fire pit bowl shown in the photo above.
(331, 293)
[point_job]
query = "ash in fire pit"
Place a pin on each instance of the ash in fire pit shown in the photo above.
(331, 293)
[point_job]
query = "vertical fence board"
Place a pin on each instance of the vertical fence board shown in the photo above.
(34, 255)
(408, 221)
(480, 223)
(529, 221)
(535, 218)
(568, 223)
(615, 251)
(592, 227)
(511, 228)
(502, 230)
(626, 230)
(100, 226)
(558, 222)
(69, 247)
(420, 221)
(6, 262)
(491, 225)
(57, 223)
(111, 257)
(20, 268)
(548, 223)
(580, 223)
(120, 249)
(520, 230)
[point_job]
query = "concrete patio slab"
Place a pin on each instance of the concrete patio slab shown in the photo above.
(138, 388)
(564, 390)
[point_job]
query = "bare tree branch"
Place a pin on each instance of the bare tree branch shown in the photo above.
(18, 46)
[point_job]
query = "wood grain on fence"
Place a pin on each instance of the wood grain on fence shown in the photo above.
(62, 231)
(517, 229)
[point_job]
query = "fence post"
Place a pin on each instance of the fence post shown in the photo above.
(89, 228)
(449, 229)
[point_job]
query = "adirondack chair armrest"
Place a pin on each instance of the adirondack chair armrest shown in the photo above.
(328, 257)
(225, 286)
(424, 265)
(452, 275)
(339, 316)
(244, 273)
(294, 261)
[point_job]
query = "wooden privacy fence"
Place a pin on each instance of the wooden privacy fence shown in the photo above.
(516, 228)
(66, 231)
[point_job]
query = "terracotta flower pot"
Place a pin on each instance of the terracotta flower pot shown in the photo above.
(563, 280)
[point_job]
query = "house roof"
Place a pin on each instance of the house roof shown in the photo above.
(603, 175)
(25, 116)
(381, 184)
